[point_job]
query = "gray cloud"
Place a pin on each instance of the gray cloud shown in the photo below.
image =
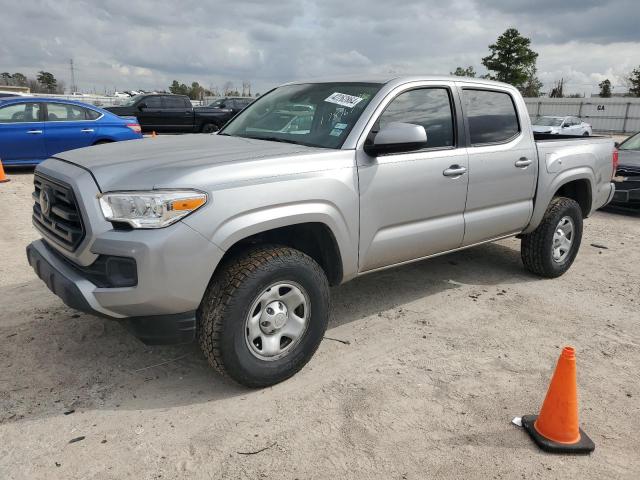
(146, 44)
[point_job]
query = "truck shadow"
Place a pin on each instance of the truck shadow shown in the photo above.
(55, 359)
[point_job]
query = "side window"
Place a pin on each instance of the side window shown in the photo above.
(153, 102)
(187, 103)
(20, 113)
(231, 103)
(91, 114)
(59, 112)
(429, 107)
(173, 102)
(491, 116)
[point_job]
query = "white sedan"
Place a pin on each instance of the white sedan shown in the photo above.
(561, 126)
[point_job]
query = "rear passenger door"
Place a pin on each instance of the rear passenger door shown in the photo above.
(411, 206)
(67, 127)
(178, 113)
(502, 164)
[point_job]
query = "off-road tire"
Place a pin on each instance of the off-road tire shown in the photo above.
(210, 128)
(226, 304)
(536, 248)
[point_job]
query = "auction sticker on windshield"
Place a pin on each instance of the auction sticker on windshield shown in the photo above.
(343, 99)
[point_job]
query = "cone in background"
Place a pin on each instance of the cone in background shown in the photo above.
(153, 134)
(556, 429)
(3, 177)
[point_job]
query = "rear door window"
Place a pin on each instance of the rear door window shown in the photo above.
(153, 102)
(491, 116)
(59, 112)
(174, 102)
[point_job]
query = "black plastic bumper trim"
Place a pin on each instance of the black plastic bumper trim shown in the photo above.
(152, 330)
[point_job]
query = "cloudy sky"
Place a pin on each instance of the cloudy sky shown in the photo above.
(118, 44)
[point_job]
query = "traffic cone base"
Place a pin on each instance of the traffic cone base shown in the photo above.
(3, 177)
(584, 445)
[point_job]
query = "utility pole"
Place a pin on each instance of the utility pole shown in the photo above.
(73, 77)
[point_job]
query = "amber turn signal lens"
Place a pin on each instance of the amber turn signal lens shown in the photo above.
(187, 203)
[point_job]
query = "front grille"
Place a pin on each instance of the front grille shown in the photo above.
(58, 219)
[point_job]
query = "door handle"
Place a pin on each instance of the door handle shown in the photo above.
(454, 171)
(87, 130)
(34, 132)
(523, 162)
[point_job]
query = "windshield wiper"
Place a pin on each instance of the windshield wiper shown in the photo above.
(276, 139)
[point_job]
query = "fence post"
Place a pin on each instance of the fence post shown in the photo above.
(539, 104)
(626, 115)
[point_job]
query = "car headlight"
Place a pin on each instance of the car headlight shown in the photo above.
(152, 209)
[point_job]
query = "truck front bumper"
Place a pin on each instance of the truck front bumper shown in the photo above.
(173, 269)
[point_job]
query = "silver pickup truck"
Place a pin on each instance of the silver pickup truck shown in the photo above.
(235, 238)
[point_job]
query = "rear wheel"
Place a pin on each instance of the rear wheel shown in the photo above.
(585, 134)
(264, 315)
(551, 248)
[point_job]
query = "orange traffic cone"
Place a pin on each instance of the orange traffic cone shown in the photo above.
(556, 429)
(153, 134)
(3, 177)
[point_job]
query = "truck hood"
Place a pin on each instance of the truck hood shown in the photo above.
(189, 161)
(629, 158)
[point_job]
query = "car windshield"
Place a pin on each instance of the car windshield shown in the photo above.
(548, 121)
(631, 143)
(314, 114)
(130, 101)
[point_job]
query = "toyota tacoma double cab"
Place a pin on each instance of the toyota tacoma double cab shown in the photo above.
(234, 239)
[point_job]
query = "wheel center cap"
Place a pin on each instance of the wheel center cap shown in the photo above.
(274, 317)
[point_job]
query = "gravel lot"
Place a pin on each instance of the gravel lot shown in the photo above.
(442, 355)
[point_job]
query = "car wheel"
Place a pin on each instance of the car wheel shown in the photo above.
(585, 134)
(210, 128)
(551, 248)
(102, 142)
(264, 315)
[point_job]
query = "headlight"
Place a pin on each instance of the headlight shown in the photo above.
(154, 209)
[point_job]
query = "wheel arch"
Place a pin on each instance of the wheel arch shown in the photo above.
(577, 184)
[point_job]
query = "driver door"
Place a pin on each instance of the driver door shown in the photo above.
(410, 204)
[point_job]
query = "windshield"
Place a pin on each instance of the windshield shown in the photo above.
(631, 143)
(130, 101)
(548, 121)
(314, 114)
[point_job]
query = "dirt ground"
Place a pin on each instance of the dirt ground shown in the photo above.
(443, 354)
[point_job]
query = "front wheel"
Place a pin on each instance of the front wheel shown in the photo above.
(264, 315)
(551, 248)
(210, 128)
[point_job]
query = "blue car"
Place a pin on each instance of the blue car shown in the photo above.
(33, 129)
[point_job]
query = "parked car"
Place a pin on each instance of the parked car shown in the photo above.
(33, 129)
(167, 113)
(235, 238)
(221, 111)
(562, 126)
(628, 173)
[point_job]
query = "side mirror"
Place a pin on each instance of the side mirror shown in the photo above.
(397, 137)
(616, 144)
(142, 106)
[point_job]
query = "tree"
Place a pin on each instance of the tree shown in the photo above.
(196, 92)
(634, 82)
(558, 90)
(178, 88)
(464, 72)
(605, 88)
(511, 60)
(227, 89)
(47, 80)
(6, 78)
(533, 85)
(19, 79)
